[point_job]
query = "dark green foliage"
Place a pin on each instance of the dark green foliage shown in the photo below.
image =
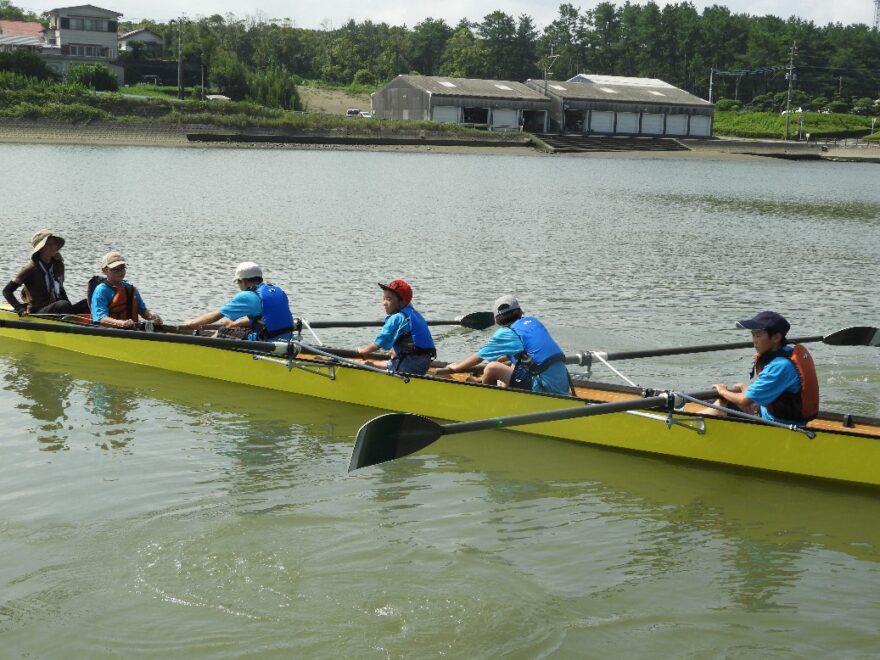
(725, 104)
(274, 88)
(93, 76)
(25, 63)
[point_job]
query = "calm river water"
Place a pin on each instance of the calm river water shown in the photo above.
(144, 514)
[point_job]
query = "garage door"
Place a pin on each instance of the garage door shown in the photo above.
(504, 118)
(627, 122)
(446, 113)
(701, 126)
(676, 125)
(601, 122)
(652, 124)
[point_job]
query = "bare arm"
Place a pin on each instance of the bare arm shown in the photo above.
(468, 363)
(204, 319)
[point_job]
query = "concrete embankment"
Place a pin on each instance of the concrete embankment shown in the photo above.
(45, 131)
(786, 150)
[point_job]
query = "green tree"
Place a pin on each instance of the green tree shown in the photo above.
(274, 88)
(426, 44)
(93, 76)
(25, 63)
(464, 57)
(229, 75)
(498, 32)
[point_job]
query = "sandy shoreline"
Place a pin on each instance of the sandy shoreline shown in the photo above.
(22, 131)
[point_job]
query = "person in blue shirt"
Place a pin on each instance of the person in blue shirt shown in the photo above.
(521, 354)
(114, 302)
(258, 312)
(405, 333)
(785, 388)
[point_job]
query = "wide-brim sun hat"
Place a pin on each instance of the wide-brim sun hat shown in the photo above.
(42, 237)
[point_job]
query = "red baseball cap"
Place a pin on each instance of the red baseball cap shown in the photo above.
(401, 288)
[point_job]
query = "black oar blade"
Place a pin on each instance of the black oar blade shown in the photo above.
(857, 336)
(391, 436)
(477, 320)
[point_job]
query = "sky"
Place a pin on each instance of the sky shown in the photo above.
(333, 13)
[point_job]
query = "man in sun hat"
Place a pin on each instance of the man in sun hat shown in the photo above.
(258, 312)
(115, 302)
(785, 386)
(521, 353)
(43, 280)
(405, 333)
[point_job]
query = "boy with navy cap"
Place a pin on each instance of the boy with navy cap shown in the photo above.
(785, 386)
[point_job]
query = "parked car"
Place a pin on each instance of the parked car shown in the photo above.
(366, 114)
(352, 112)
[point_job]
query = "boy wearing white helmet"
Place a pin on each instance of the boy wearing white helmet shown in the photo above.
(258, 312)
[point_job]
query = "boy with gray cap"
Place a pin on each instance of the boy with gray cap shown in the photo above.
(533, 360)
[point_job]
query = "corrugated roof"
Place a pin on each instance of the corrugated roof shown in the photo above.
(501, 89)
(128, 35)
(12, 40)
(586, 87)
(21, 29)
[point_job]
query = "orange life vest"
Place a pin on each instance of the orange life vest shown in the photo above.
(805, 404)
(123, 306)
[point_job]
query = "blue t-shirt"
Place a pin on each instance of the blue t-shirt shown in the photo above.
(506, 343)
(245, 303)
(103, 295)
(395, 325)
(777, 377)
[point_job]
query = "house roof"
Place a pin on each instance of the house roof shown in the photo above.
(504, 89)
(588, 87)
(132, 33)
(21, 29)
(75, 7)
(20, 41)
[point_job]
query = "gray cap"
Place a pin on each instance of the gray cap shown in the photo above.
(505, 304)
(112, 260)
(248, 270)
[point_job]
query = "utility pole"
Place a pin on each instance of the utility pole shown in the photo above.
(180, 20)
(790, 77)
(877, 14)
(548, 64)
(711, 82)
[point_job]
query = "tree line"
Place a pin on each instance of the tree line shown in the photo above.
(676, 43)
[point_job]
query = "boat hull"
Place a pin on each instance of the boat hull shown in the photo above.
(846, 455)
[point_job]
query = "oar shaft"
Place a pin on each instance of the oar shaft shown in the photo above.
(566, 413)
(580, 358)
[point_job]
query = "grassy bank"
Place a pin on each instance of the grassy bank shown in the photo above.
(772, 125)
(30, 99)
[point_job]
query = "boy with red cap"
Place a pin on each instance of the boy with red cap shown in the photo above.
(405, 332)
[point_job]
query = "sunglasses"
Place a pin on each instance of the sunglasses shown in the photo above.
(118, 269)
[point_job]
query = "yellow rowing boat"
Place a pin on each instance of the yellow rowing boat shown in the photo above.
(842, 448)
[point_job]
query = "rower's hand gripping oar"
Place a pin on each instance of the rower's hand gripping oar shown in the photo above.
(395, 435)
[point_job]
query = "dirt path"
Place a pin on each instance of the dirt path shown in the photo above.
(332, 101)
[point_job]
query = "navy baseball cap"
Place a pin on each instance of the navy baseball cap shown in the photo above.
(769, 321)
